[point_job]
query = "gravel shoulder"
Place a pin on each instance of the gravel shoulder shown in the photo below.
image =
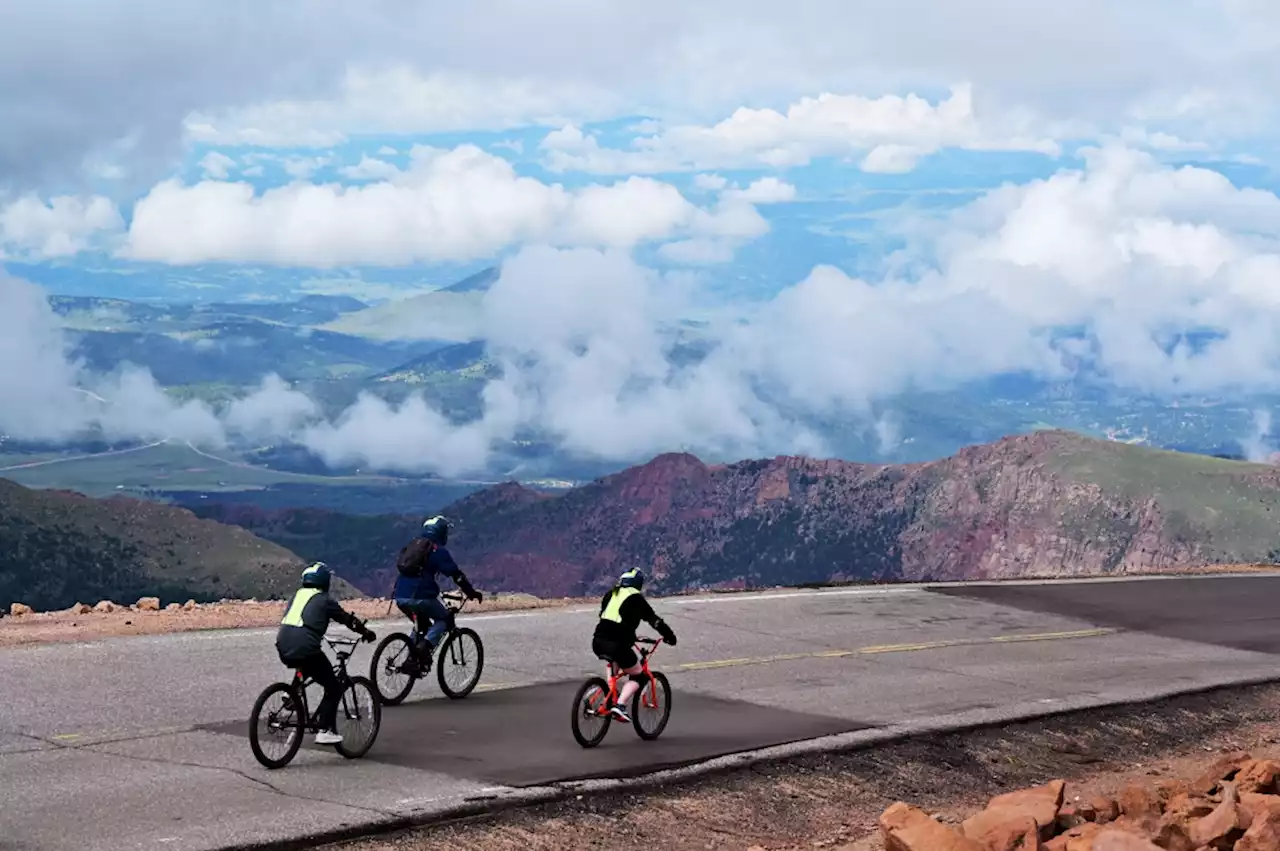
(64, 626)
(833, 801)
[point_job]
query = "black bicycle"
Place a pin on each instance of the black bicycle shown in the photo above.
(359, 715)
(461, 652)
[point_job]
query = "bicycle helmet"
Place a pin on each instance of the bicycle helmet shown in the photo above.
(317, 576)
(436, 530)
(633, 578)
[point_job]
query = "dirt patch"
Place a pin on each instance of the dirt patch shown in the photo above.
(834, 800)
(51, 627)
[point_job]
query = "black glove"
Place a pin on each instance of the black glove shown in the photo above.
(471, 592)
(666, 633)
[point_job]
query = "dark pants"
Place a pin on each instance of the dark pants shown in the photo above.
(319, 668)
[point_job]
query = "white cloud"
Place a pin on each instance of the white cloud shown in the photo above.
(766, 190)
(216, 165)
(319, 70)
(712, 182)
(370, 168)
(897, 130)
(387, 151)
(64, 226)
(1112, 267)
(400, 100)
(301, 168)
(449, 205)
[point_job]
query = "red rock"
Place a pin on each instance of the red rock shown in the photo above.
(1258, 804)
(1019, 833)
(1105, 809)
(1139, 801)
(1114, 839)
(1079, 838)
(1222, 827)
(1223, 768)
(1040, 803)
(1258, 775)
(1187, 806)
(1263, 834)
(908, 828)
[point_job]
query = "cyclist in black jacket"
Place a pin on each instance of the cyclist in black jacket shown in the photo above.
(298, 643)
(621, 611)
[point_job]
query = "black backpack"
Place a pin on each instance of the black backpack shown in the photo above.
(413, 556)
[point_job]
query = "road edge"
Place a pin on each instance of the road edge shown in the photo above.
(974, 720)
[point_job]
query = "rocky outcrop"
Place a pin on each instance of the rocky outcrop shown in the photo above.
(1211, 811)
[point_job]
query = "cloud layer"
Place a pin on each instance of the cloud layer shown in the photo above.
(1150, 277)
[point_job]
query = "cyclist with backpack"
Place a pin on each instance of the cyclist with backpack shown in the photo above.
(417, 592)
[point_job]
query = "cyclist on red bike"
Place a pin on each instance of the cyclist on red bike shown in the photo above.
(621, 610)
(298, 643)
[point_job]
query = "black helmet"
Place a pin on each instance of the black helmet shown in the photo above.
(633, 578)
(317, 576)
(436, 530)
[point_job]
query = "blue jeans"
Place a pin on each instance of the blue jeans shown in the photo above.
(432, 609)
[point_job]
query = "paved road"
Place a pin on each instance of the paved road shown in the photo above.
(140, 742)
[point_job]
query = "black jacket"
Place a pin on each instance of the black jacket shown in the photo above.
(633, 610)
(305, 621)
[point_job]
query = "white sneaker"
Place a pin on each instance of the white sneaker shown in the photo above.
(326, 737)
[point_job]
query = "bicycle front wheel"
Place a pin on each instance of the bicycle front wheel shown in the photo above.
(460, 662)
(651, 707)
(591, 718)
(359, 718)
(276, 725)
(386, 670)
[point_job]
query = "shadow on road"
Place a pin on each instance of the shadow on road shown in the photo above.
(521, 736)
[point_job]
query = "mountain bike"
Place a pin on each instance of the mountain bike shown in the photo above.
(293, 718)
(460, 650)
(595, 696)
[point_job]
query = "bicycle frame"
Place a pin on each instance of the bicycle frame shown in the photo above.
(339, 668)
(648, 692)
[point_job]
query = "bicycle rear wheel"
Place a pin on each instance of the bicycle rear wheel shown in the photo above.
(359, 718)
(460, 662)
(275, 732)
(589, 725)
(386, 670)
(651, 707)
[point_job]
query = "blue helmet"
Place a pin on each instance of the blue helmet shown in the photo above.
(633, 578)
(436, 530)
(317, 576)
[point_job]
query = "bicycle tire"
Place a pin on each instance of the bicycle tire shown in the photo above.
(354, 683)
(398, 697)
(298, 724)
(577, 714)
(664, 695)
(456, 637)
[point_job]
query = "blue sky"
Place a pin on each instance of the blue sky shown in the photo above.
(866, 198)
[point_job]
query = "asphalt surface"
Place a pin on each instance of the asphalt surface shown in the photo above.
(141, 742)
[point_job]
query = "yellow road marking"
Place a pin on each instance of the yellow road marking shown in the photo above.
(722, 663)
(893, 648)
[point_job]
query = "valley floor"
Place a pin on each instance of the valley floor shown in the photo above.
(833, 801)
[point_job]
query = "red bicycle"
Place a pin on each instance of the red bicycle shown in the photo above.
(595, 696)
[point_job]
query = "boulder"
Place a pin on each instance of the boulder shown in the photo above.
(908, 828)
(105, 606)
(1104, 809)
(1079, 838)
(1257, 775)
(1187, 807)
(148, 604)
(1019, 833)
(80, 609)
(173, 607)
(1040, 803)
(1259, 805)
(1222, 827)
(1263, 833)
(1223, 768)
(17, 610)
(1111, 838)
(189, 606)
(1139, 801)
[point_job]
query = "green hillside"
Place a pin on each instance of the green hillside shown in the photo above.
(58, 548)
